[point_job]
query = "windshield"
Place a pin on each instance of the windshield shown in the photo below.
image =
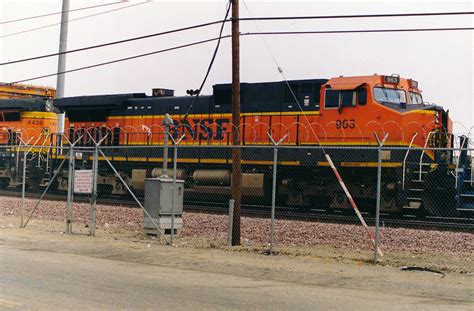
(387, 95)
(416, 98)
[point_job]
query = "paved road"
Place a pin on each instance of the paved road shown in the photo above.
(58, 272)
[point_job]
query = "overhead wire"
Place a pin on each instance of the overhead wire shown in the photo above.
(326, 155)
(123, 59)
(309, 32)
(210, 40)
(114, 42)
(60, 12)
(270, 18)
(280, 71)
(275, 33)
(211, 62)
(279, 68)
(72, 20)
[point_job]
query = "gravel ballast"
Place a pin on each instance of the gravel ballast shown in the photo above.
(256, 231)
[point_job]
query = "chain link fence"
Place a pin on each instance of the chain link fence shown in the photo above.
(320, 201)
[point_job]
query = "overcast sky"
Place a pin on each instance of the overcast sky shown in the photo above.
(442, 62)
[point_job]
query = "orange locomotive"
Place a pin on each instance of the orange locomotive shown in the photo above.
(339, 111)
(8, 90)
(26, 118)
(335, 114)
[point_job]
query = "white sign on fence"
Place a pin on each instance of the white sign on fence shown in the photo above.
(83, 181)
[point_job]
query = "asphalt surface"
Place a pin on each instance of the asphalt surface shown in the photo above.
(52, 271)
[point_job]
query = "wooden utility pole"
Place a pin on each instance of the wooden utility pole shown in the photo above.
(236, 152)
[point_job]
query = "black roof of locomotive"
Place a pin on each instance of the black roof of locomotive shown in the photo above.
(95, 101)
(24, 104)
(260, 96)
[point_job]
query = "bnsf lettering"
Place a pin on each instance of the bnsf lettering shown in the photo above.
(205, 129)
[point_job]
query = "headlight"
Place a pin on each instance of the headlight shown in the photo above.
(49, 106)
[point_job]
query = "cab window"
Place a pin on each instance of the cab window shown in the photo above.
(416, 98)
(332, 99)
(11, 116)
(336, 99)
(391, 96)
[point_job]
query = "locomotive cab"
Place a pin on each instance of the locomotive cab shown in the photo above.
(28, 119)
(385, 104)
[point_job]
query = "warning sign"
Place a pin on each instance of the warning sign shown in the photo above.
(83, 181)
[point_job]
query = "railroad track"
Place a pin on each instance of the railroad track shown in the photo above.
(318, 214)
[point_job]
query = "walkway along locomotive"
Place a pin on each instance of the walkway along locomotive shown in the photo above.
(340, 114)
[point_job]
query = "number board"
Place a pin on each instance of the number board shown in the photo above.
(413, 84)
(391, 79)
(83, 181)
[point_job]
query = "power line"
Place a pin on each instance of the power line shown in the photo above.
(55, 13)
(212, 60)
(280, 71)
(310, 32)
(114, 42)
(124, 59)
(268, 18)
(71, 20)
(245, 34)
(227, 20)
(354, 16)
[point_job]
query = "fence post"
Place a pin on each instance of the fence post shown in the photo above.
(377, 206)
(175, 160)
(167, 121)
(23, 187)
(95, 173)
(70, 189)
(272, 228)
(231, 222)
(95, 170)
(377, 203)
(175, 167)
(275, 162)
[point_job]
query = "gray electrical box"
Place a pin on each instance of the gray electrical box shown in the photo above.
(159, 202)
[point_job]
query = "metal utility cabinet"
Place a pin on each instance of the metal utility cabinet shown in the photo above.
(159, 204)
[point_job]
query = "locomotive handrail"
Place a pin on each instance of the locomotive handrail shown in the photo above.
(22, 142)
(405, 160)
(41, 147)
(423, 152)
(456, 171)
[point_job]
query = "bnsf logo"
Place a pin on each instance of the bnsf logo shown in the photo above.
(205, 129)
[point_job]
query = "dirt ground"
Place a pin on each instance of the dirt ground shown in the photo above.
(129, 246)
(112, 232)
